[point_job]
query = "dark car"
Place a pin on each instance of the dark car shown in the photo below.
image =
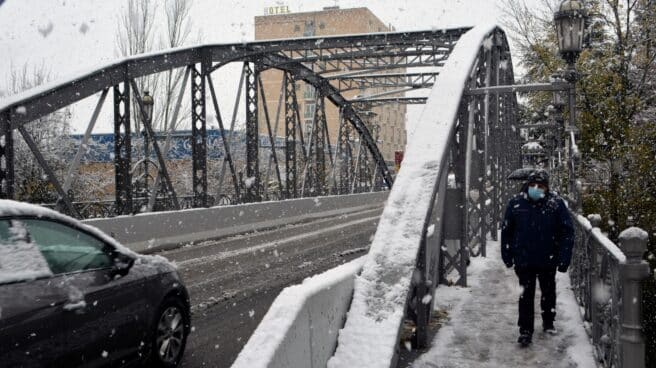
(72, 296)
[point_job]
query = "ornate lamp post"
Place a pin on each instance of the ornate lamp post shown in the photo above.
(148, 104)
(559, 105)
(570, 23)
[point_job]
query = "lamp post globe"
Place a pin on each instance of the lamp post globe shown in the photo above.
(148, 103)
(570, 24)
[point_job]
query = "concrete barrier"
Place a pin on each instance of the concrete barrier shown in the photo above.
(164, 230)
(300, 329)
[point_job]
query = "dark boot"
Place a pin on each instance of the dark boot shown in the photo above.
(549, 329)
(525, 339)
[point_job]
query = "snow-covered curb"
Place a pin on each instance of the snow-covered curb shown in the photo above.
(300, 328)
(165, 230)
(370, 336)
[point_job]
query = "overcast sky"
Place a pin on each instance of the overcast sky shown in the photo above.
(70, 36)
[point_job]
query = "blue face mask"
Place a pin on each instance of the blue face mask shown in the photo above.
(535, 193)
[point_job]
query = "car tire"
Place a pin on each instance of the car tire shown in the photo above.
(169, 333)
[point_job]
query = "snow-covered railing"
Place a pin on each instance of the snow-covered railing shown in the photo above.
(445, 200)
(606, 279)
(300, 328)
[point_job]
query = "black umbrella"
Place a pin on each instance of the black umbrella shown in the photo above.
(521, 174)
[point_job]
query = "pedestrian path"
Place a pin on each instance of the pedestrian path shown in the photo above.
(481, 329)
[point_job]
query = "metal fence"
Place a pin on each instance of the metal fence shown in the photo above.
(606, 279)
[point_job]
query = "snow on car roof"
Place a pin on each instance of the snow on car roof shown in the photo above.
(15, 208)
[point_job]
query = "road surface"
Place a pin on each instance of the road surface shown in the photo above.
(233, 281)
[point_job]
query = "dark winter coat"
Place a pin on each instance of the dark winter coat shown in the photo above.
(537, 234)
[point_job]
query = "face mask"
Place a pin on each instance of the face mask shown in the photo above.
(535, 193)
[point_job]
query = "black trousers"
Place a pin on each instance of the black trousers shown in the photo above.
(547, 279)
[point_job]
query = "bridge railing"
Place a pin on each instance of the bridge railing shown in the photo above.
(606, 279)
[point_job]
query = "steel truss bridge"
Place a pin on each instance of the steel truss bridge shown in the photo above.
(331, 65)
(458, 180)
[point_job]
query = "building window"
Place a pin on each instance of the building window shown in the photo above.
(309, 29)
(309, 111)
(309, 93)
(307, 130)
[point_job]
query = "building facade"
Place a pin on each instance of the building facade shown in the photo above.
(386, 123)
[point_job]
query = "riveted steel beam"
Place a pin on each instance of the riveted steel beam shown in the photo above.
(199, 134)
(291, 110)
(122, 149)
(391, 80)
(252, 180)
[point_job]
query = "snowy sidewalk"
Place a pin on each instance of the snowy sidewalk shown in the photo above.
(481, 328)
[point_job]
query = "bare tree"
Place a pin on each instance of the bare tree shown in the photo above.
(143, 28)
(51, 134)
(136, 35)
(178, 30)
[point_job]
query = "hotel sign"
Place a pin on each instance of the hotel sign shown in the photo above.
(275, 10)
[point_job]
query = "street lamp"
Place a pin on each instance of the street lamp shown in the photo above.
(148, 103)
(570, 23)
(558, 103)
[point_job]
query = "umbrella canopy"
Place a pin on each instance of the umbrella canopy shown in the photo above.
(521, 174)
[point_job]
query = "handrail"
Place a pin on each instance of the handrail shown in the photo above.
(606, 281)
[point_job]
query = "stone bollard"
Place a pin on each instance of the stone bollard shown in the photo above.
(633, 242)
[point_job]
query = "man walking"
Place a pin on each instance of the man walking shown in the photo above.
(537, 237)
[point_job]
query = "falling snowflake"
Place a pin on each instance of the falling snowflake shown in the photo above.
(46, 30)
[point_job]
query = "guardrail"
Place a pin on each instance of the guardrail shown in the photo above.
(149, 232)
(107, 208)
(607, 283)
(300, 329)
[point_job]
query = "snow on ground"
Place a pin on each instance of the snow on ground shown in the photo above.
(481, 329)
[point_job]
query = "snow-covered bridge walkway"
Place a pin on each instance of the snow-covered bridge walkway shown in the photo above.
(481, 327)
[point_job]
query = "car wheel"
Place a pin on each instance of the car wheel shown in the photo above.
(170, 333)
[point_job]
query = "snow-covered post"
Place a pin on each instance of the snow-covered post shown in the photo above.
(633, 242)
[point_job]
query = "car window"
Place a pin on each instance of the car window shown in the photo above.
(67, 249)
(20, 259)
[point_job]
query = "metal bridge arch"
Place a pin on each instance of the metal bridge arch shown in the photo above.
(447, 198)
(469, 193)
(302, 59)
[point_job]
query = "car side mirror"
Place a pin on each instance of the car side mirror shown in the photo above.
(122, 264)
